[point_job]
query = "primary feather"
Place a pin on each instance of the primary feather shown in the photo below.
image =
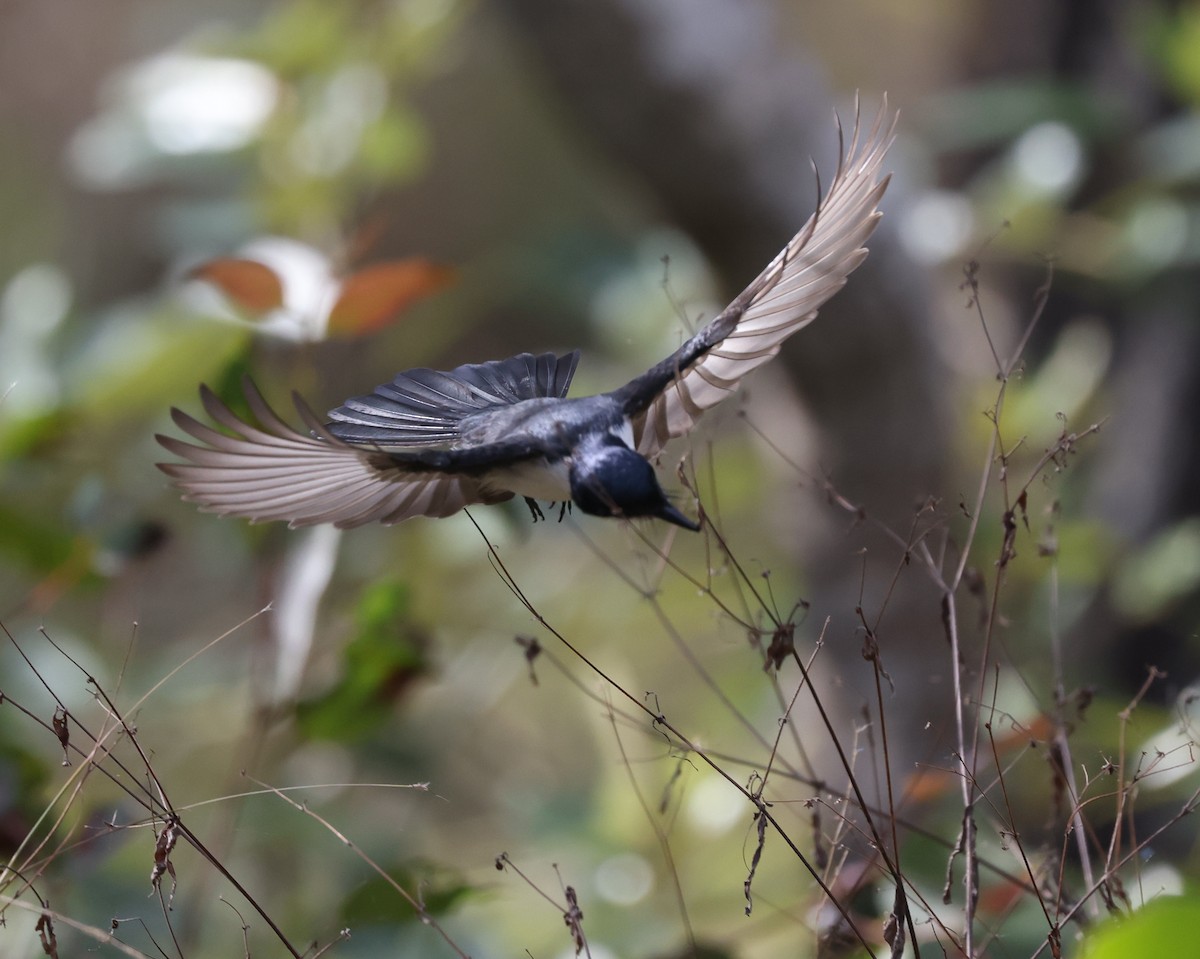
(273, 472)
(666, 401)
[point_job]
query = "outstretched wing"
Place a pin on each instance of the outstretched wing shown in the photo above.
(427, 408)
(386, 457)
(666, 401)
(270, 471)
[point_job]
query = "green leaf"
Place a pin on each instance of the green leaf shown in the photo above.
(136, 360)
(40, 546)
(1161, 574)
(1161, 928)
(1175, 42)
(377, 901)
(387, 653)
(395, 147)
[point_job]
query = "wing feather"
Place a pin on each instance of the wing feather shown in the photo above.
(270, 471)
(666, 401)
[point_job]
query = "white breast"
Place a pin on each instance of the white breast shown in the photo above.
(536, 479)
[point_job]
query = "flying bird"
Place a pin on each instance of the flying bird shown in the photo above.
(430, 443)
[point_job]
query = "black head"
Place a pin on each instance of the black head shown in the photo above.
(613, 480)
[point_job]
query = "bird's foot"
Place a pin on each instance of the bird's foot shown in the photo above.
(534, 509)
(563, 509)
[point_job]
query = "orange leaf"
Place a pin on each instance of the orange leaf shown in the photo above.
(1040, 729)
(375, 296)
(1000, 898)
(928, 783)
(251, 286)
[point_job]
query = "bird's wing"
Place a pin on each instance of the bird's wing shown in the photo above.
(270, 471)
(426, 408)
(666, 401)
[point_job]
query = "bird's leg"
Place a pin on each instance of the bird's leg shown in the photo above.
(563, 509)
(534, 509)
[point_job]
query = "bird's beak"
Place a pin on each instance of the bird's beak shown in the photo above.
(672, 515)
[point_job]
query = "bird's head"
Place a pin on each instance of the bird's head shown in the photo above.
(613, 480)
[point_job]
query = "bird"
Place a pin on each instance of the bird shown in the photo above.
(430, 443)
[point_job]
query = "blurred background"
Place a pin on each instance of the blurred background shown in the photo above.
(321, 194)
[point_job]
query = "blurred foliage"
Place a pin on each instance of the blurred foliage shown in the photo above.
(343, 126)
(294, 129)
(376, 901)
(1174, 45)
(386, 654)
(1160, 929)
